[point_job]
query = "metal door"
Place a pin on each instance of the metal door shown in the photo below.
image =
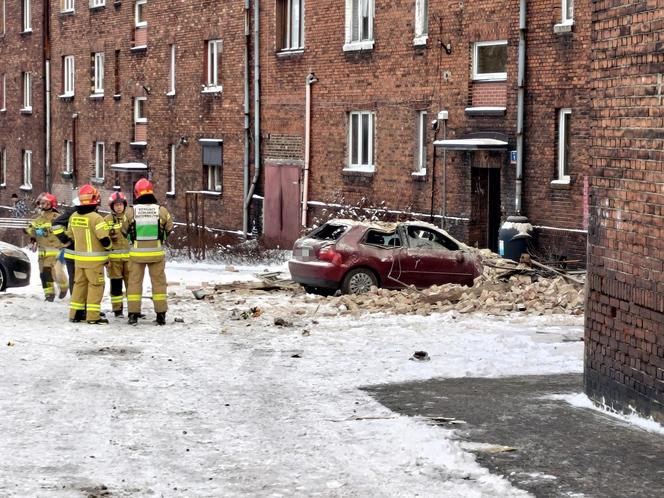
(281, 208)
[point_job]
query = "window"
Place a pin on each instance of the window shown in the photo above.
(568, 11)
(421, 148)
(421, 21)
(3, 92)
(212, 165)
(171, 71)
(94, 4)
(97, 73)
(361, 131)
(425, 237)
(490, 60)
(3, 167)
(68, 76)
(27, 92)
(66, 5)
(68, 157)
(172, 149)
(99, 160)
(290, 25)
(27, 170)
(213, 65)
(564, 118)
(382, 239)
(359, 24)
(26, 15)
(139, 13)
(139, 110)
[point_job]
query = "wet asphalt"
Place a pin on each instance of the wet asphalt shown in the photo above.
(558, 450)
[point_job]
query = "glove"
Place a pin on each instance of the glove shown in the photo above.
(40, 232)
(61, 256)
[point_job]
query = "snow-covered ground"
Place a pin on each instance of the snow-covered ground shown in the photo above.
(212, 406)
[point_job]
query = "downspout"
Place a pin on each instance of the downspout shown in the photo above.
(444, 206)
(74, 119)
(245, 166)
(310, 80)
(47, 94)
(521, 90)
(257, 114)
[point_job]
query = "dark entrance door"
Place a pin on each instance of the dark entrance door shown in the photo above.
(485, 210)
(281, 211)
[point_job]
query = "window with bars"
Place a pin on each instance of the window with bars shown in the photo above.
(68, 76)
(563, 169)
(361, 138)
(100, 160)
(26, 79)
(97, 73)
(27, 169)
(290, 24)
(213, 66)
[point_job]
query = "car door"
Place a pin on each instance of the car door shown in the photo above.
(379, 250)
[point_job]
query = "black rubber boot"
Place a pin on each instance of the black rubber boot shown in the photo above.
(133, 319)
(118, 313)
(161, 318)
(50, 298)
(63, 292)
(99, 321)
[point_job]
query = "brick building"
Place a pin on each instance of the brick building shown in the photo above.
(23, 161)
(150, 88)
(624, 361)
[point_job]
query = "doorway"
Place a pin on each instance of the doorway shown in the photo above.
(485, 209)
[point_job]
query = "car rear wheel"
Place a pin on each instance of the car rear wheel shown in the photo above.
(3, 279)
(359, 281)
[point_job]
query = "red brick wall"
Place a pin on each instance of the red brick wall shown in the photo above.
(624, 361)
(22, 53)
(189, 114)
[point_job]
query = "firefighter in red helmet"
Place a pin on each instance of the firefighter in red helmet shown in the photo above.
(48, 245)
(147, 225)
(89, 231)
(118, 268)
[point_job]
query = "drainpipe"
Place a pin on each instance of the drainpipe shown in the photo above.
(257, 114)
(74, 119)
(521, 90)
(444, 206)
(245, 166)
(310, 80)
(47, 160)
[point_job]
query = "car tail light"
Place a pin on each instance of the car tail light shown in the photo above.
(328, 253)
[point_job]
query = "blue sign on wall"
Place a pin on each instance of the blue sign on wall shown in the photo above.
(512, 157)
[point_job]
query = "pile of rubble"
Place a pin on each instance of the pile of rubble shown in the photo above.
(503, 287)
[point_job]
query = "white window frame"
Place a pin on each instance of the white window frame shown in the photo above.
(214, 50)
(567, 12)
(95, 4)
(27, 16)
(171, 70)
(26, 81)
(293, 28)
(3, 95)
(421, 22)
(27, 169)
(356, 135)
(487, 76)
(213, 178)
(421, 145)
(68, 157)
(564, 119)
(100, 160)
(139, 110)
(99, 73)
(363, 41)
(68, 68)
(139, 14)
(66, 6)
(171, 165)
(3, 166)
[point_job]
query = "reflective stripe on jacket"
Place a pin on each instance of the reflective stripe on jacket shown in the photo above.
(86, 230)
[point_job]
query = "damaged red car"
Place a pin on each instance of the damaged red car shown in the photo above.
(353, 256)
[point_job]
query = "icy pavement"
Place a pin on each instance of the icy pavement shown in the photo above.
(218, 407)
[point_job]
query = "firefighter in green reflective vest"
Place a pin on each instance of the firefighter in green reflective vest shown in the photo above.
(147, 225)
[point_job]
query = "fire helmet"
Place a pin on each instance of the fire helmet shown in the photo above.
(117, 197)
(143, 187)
(88, 195)
(50, 198)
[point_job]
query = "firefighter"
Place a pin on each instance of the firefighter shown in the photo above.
(60, 225)
(118, 268)
(48, 245)
(92, 244)
(147, 225)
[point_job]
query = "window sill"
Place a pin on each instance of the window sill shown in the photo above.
(170, 194)
(26, 110)
(97, 181)
(117, 96)
(485, 111)
(561, 184)
(97, 96)
(117, 3)
(170, 94)
(138, 49)
(4, 109)
(67, 175)
(563, 28)
(358, 45)
(66, 97)
(358, 172)
(420, 41)
(25, 187)
(210, 193)
(138, 145)
(489, 79)
(290, 52)
(212, 90)
(419, 176)
(23, 33)
(97, 8)
(64, 13)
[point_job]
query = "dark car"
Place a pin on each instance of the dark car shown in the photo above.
(14, 267)
(353, 256)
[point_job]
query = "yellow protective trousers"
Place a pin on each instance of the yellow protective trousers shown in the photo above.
(118, 272)
(46, 274)
(135, 285)
(88, 292)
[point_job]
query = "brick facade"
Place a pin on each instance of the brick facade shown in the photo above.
(624, 361)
